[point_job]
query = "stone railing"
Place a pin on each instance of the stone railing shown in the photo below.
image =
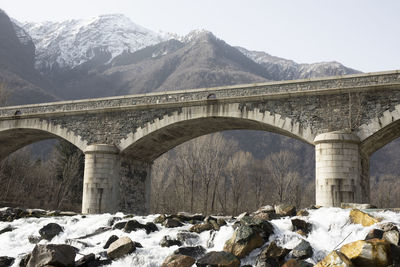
(358, 82)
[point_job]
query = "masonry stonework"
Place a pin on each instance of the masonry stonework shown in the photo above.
(121, 136)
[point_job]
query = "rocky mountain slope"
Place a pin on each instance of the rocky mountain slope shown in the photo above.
(110, 55)
(17, 59)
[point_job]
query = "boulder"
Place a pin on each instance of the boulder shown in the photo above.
(167, 241)
(201, 227)
(285, 210)
(150, 227)
(110, 240)
(185, 216)
(218, 259)
(33, 239)
(374, 233)
(243, 241)
(296, 263)
(133, 225)
(221, 222)
(6, 229)
(50, 230)
(24, 260)
(360, 217)
(335, 259)
(303, 250)
(123, 246)
(137, 244)
(301, 225)
(272, 255)
(264, 228)
(358, 206)
(302, 213)
(388, 226)
(160, 219)
(119, 225)
(395, 253)
(266, 209)
(265, 216)
(187, 237)
(177, 260)
(172, 223)
(194, 252)
(373, 252)
(51, 254)
(392, 237)
(6, 261)
(96, 232)
(90, 260)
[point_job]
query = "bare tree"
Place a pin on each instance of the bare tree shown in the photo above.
(281, 171)
(238, 171)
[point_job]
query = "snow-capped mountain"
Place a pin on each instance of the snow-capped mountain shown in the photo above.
(73, 42)
(284, 69)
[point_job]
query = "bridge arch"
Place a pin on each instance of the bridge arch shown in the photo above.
(19, 132)
(161, 135)
(379, 131)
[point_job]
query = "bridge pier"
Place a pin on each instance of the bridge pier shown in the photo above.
(101, 179)
(339, 170)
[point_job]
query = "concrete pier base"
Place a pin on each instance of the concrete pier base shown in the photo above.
(338, 169)
(101, 179)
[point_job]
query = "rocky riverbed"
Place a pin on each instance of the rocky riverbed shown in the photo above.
(271, 236)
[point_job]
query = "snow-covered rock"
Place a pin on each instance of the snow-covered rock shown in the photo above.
(73, 42)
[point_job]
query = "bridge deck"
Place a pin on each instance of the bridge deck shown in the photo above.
(269, 90)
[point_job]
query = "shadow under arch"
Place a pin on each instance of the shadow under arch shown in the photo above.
(152, 142)
(16, 135)
(380, 138)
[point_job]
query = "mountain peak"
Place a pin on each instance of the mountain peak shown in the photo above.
(198, 35)
(73, 42)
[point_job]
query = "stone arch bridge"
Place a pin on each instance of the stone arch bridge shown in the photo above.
(346, 118)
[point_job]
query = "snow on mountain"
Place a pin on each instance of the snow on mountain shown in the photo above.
(73, 42)
(284, 69)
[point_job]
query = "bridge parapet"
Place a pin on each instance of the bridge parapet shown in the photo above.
(281, 89)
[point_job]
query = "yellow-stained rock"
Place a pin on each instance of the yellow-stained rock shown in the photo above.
(178, 260)
(243, 241)
(373, 252)
(359, 217)
(335, 259)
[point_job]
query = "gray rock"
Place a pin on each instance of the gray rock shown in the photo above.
(6, 261)
(110, 240)
(392, 237)
(167, 241)
(285, 210)
(6, 229)
(33, 239)
(301, 225)
(123, 246)
(51, 254)
(272, 255)
(172, 223)
(218, 259)
(150, 227)
(303, 250)
(187, 237)
(50, 230)
(194, 252)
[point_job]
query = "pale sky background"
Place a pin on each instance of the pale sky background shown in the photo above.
(361, 34)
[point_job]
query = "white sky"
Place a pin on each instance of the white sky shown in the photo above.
(361, 34)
